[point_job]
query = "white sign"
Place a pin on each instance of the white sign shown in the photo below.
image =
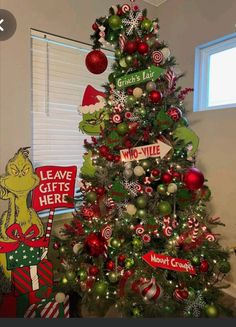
(159, 149)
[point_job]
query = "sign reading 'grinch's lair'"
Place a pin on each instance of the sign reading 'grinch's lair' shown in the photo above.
(159, 149)
(150, 74)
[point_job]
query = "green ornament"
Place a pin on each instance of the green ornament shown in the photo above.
(122, 62)
(114, 22)
(142, 111)
(131, 100)
(150, 86)
(137, 243)
(141, 202)
(136, 312)
(91, 196)
(83, 274)
(196, 261)
(113, 277)
(146, 25)
(146, 164)
(185, 197)
(100, 288)
(113, 139)
(224, 267)
(112, 37)
(141, 213)
(122, 128)
(161, 188)
(129, 60)
(62, 250)
(70, 275)
(211, 311)
(115, 243)
(129, 263)
(164, 208)
(118, 53)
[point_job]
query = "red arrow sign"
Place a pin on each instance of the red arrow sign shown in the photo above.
(166, 262)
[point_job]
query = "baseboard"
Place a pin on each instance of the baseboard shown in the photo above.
(230, 290)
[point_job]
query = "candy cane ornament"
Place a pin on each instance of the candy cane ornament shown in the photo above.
(193, 224)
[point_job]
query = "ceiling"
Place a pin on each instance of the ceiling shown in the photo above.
(155, 2)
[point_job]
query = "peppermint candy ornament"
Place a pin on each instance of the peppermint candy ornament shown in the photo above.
(157, 57)
(139, 230)
(146, 238)
(167, 231)
(174, 113)
(125, 8)
(106, 232)
(116, 119)
(150, 290)
(128, 115)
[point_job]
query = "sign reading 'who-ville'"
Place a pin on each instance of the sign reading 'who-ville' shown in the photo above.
(150, 74)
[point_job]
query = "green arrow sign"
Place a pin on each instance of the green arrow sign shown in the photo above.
(150, 74)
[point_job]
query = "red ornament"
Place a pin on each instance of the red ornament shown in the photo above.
(96, 62)
(180, 294)
(176, 175)
(128, 144)
(193, 179)
(110, 157)
(117, 158)
(93, 270)
(56, 245)
(204, 266)
(131, 47)
(166, 178)
(130, 91)
(136, 63)
(95, 26)
(155, 96)
(119, 12)
(94, 245)
(138, 40)
(143, 48)
(110, 265)
(149, 289)
(121, 259)
(100, 191)
(174, 113)
(103, 150)
(155, 172)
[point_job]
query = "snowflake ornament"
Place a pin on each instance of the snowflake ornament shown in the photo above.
(119, 98)
(195, 306)
(132, 187)
(132, 22)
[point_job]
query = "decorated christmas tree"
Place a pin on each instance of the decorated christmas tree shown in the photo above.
(142, 238)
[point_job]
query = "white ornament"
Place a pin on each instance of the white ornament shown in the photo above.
(139, 171)
(77, 247)
(172, 188)
(128, 165)
(166, 53)
(128, 173)
(131, 209)
(60, 297)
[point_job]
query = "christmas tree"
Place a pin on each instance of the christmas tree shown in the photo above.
(142, 238)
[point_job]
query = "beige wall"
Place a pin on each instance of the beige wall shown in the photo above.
(184, 25)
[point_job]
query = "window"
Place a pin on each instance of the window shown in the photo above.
(59, 79)
(215, 71)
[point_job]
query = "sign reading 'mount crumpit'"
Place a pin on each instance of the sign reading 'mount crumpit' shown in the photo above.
(166, 262)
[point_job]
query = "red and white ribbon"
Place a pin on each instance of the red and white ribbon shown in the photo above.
(171, 78)
(122, 41)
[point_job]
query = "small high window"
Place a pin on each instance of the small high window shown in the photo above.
(215, 71)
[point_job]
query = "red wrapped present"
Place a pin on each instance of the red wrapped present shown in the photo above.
(55, 307)
(28, 279)
(8, 306)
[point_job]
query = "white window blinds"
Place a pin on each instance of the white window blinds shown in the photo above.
(59, 79)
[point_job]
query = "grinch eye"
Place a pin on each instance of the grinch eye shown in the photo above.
(25, 171)
(14, 171)
(91, 122)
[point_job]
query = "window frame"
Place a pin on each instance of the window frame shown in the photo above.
(202, 71)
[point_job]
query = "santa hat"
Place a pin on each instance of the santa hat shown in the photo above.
(93, 100)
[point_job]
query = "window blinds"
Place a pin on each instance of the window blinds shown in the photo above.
(59, 79)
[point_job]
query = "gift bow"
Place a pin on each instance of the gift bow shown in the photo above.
(15, 233)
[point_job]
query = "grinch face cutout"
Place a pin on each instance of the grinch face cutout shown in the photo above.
(93, 111)
(15, 186)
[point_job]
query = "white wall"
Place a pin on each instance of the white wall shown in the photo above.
(184, 25)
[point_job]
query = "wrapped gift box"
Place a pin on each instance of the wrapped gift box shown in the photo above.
(28, 279)
(49, 308)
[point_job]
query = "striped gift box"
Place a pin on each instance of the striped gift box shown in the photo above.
(49, 309)
(27, 279)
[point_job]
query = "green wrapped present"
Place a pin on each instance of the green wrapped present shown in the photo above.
(23, 256)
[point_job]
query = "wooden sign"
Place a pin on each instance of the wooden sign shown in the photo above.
(150, 74)
(56, 183)
(159, 149)
(166, 262)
